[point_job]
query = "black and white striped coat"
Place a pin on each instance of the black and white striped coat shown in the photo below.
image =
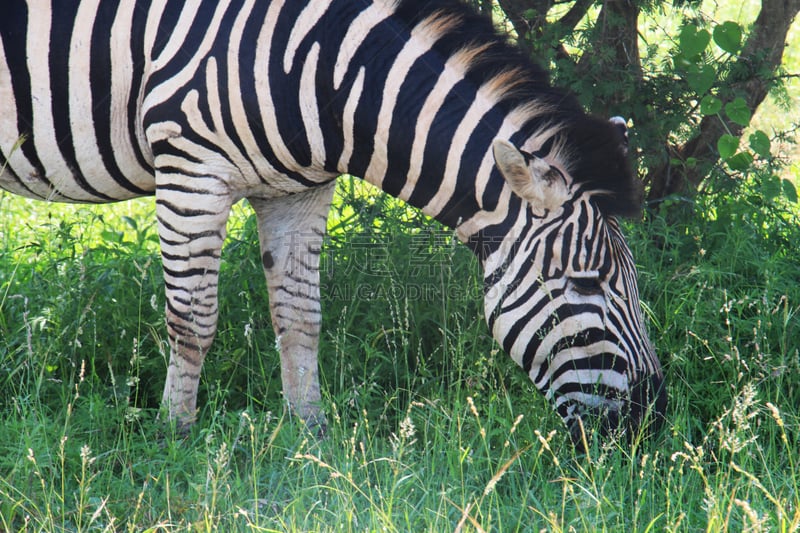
(204, 103)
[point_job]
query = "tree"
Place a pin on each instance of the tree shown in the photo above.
(690, 95)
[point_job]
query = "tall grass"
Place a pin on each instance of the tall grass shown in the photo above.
(431, 427)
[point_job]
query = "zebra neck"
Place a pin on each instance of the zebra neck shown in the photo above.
(423, 133)
(448, 171)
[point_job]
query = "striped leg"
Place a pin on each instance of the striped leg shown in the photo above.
(291, 230)
(191, 227)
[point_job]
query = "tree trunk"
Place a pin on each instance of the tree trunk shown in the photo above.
(754, 73)
(614, 56)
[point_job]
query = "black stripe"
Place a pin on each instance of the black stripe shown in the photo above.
(213, 253)
(191, 235)
(561, 313)
(412, 94)
(603, 361)
(247, 71)
(184, 211)
(138, 54)
(184, 188)
(190, 272)
(596, 389)
(13, 31)
(63, 26)
(583, 240)
(100, 74)
(463, 204)
(440, 134)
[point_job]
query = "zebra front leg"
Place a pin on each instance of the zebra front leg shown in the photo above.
(191, 228)
(291, 230)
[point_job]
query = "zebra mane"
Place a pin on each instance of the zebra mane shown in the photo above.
(590, 148)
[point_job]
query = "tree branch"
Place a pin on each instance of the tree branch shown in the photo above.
(535, 33)
(571, 18)
(515, 11)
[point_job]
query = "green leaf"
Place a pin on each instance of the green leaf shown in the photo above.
(693, 41)
(740, 161)
(738, 111)
(112, 236)
(130, 222)
(771, 187)
(690, 162)
(760, 143)
(727, 146)
(710, 105)
(680, 63)
(701, 77)
(789, 191)
(728, 36)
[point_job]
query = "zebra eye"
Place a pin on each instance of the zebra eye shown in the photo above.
(589, 286)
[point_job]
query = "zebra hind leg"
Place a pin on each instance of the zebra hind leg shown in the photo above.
(291, 230)
(191, 228)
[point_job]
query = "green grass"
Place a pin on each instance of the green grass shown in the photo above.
(431, 428)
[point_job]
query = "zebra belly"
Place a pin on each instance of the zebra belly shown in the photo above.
(21, 178)
(69, 122)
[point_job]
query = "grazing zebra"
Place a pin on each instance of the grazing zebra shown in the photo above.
(204, 103)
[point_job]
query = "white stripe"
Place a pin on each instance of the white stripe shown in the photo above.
(38, 47)
(356, 33)
(121, 76)
(199, 50)
(588, 376)
(447, 79)
(586, 399)
(484, 101)
(264, 91)
(483, 218)
(178, 34)
(416, 46)
(495, 261)
(309, 108)
(235, 94)
(458, 144)
(84, 135)
(162, 131)
(215, 132)
(348, 121)
(154, 14)
(568, 327)
(10, 135)
(304, 23)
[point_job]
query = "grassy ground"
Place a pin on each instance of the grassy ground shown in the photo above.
(431, 428)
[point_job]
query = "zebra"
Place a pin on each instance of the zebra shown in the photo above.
(205, 103)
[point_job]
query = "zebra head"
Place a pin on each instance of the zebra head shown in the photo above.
(562, 299)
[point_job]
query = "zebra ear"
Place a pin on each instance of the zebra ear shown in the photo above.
(532, 180)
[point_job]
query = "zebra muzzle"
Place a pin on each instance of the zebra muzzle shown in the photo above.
(641, 416)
